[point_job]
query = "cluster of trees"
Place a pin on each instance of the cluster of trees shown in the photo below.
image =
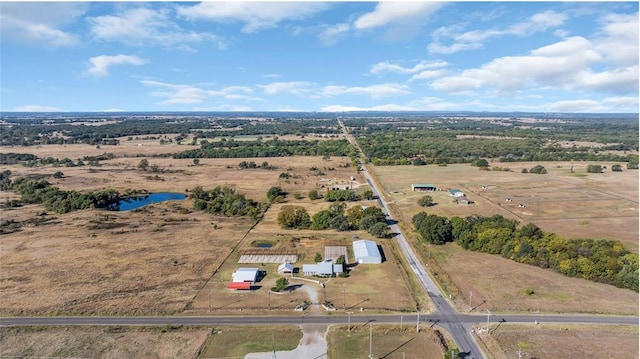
(54, 199)
(223, 200)
(250, 165)
(272, 148)
(294, 217)
(537, 169)
(594, 169)
(276, 194)
(426, 201)
(337, 217)
(602, 261)
(341, 195)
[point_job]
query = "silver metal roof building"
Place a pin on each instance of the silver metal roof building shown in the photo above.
(366, 251)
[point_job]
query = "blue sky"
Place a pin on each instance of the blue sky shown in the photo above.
(313, 56)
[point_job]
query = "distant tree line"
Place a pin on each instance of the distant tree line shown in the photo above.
(603, 261)
(30, 160)
(421, 140)
(223, 200)
(29, 132)
(272, 148)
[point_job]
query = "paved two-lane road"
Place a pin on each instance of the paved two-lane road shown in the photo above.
(407, 320)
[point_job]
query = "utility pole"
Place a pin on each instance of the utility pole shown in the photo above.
(269, 299)
(370, 341)
(470, 299)
(401, 321)
(488, 316)
(209, 296)
(418, 323)
(344, 299)
(349, 322)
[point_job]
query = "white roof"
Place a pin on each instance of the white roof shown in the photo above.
(245, 275)
(285, 267)
(365, 248)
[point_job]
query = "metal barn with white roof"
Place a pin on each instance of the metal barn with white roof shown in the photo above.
(366, 252)
(245, 275)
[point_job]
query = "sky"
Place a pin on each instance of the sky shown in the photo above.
(319, 56)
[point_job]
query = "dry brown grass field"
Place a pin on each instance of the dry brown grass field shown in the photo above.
(94, 342)
(573, 205)
(166, 258)
(561, 341)
(502, 282)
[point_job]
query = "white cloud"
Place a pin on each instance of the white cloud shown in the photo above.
(387, 107)
(176, 94)
(40, 23)
(293, 87)
(437, 48)
(100, 64)
(429, 74)
(272, 76)
(112, 110)
(618, 38)
(575, 106)
(255, 15)
(625, 103)
(474, 39)
(190, 94)
(391, 12)
(141, 27)
(566, 64)
(375, 91)
(331, 34)
(389, 67)
(36, 108)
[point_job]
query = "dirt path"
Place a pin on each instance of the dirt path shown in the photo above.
(312, 345)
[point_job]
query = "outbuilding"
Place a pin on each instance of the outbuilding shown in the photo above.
(421, 187)
(249, 275)
(323, 269)
(366, 251)
(285, 268)
(455, 192)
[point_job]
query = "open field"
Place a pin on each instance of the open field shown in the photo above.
(502, 283)
(561, 341)
(151, 260)
(236, 342)
(158, 259)
(573, 205)
(361, 289)
(387, 342)
(102, 342)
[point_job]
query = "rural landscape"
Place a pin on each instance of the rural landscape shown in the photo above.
(508, 214)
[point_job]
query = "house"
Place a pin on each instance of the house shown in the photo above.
(249, 275)
(366, 251)
(455, 192)
(421, 187)
(463, 200)
(323, 269)
(285, 268)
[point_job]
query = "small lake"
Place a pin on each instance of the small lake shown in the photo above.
(141, 201)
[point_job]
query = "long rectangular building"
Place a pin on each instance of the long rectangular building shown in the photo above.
(366, 251)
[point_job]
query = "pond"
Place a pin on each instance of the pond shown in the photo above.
(141, 201)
